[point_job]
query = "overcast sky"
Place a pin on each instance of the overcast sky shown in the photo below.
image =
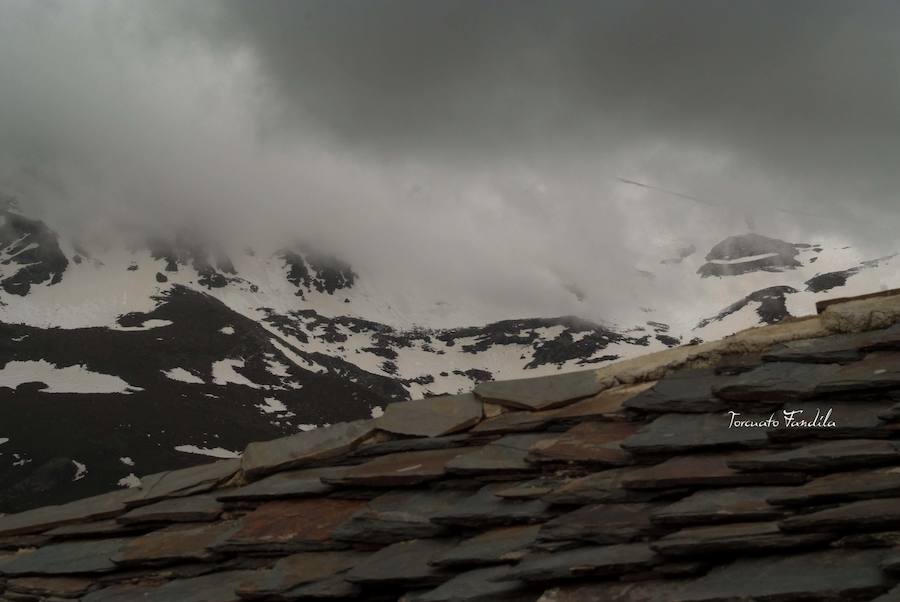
(474, 146)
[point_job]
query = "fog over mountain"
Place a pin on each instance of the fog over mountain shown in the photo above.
(472, 150)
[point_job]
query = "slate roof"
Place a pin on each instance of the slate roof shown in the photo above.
(623, 483)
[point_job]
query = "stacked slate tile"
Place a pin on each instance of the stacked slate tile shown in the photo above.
(683, 482)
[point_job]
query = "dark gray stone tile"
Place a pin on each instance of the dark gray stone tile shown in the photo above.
(180, 543)
(289, 484)
(186, 481)
(605, 486)
(432, 417)
(398, 516)
(843, 454)
(406, 563)
(399, 470)
(722, 505)
(734, 538)
(705, 470)
(92, 556)
(296, 570)
(502, 457)
(865, 515)
(484, 508)
(304, 449)
(680, 433)
(492, 547)
(479, 585)
(841, 487)
(601, 524)
(543, 392)
(595, 561)
(48, 517)
(689, 391)
(191, 509)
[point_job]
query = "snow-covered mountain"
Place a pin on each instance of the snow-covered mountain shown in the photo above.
(122, 359)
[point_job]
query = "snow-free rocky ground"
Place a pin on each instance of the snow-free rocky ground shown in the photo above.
(117, 362)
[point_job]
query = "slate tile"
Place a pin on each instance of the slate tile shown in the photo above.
(180, 543)
(432, 417)
(542, 392)
(408, 444)
(479, 585)
(828, 575)
(484, 509)
(596, 443)
(842, 486)
(186, 481)
(605, 486)
(286, 485)
(845, 419)
(680, 433)
(789, 381)
(533, 489)
(734, 537)
(296, 570)
(865, 515)
(491, 547)
(398, 470)
(398, 516)
(65, 558)
(48, 517)
(336, 588)
(607, 405)
(49, 587)
(403, 564)
(215, 587)
(890, 596)
(191, 509)
(835, 455)
(601, 524)
(291, 526)
(595, 561)
(644, 591)
(304, 449)
(706, 470)
(99, 528)
(722, 505)
(502, 457)
(688, 391)
(835, 349)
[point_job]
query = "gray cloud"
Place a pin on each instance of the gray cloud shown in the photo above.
(468, 145)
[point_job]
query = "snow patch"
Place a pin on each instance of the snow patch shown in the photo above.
(224, 373)
(227, 330)
(307, 427)
(183, 375)
(148, 325)
(215, 452)
(126, 461)
(4, 440)
(272, 406)
(377, 412)
(71, 379)
(130, 481)
(80, 470)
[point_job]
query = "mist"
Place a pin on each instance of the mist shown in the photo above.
(472, 150)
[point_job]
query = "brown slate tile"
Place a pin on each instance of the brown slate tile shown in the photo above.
(595, 561)
(596, 443)
(828, 575)
(336, 588)
(49, 517)
(842, 486)
(403, 564)
(398, 470)
(683, 433)
(543, 392)
(304, 449)
(734, 538)
(296, 570)
(865, 515)
(605, 486)
(398, 516)
(601, 524)
(191, 509)
(707, 470)
(91, 556)
(483, 509)
(407, 444)
(432, 417)
(722, 505)
(491, 547)
(215, 587)
(180, 543)
(643, 591)
(49, 587)
(291, 526)
(836, 455)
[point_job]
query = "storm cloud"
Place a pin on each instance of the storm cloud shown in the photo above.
(474, 146)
